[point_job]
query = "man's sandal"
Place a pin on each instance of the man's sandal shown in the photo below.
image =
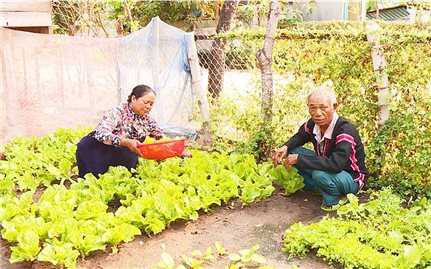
(343, 200)
(329, 208)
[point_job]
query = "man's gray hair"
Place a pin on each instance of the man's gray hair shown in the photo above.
(326, 91)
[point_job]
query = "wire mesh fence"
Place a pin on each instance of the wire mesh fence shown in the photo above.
(226, 64)
(236, 56)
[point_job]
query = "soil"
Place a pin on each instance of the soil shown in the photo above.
(236, 228)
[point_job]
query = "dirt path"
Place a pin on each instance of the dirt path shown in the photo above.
(261, 223)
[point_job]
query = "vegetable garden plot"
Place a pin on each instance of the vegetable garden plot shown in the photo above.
(378, 234)
(66, 223)
(75, 219)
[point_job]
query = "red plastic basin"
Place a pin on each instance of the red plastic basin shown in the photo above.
(163, 150)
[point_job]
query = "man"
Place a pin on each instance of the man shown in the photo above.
(336, 167)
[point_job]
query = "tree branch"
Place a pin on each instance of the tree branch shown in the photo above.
(129, 13)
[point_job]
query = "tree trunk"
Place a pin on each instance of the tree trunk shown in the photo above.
(217, 55)
(264, 57)
(379, 65)
(377, 10)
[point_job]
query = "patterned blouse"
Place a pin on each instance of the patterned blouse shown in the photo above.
(121, 122)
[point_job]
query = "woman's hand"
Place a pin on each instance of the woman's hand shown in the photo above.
(131, 144)
(186, 154)
(279, 154)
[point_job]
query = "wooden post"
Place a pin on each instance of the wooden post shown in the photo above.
(379, 65)
(264, 57)
(195, 70)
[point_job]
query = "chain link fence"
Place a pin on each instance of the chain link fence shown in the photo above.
(230, 73)
(228, 65)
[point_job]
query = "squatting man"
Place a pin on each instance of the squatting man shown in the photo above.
(336, 167)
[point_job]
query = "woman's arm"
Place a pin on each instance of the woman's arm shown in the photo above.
(131, 144)
(154, 129)
(105, 129)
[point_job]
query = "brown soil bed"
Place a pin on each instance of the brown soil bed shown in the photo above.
(236, 228)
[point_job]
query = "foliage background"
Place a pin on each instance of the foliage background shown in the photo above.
(305, 55)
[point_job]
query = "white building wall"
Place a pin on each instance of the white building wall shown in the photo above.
(325, 10)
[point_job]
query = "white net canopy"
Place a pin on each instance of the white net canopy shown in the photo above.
(50, 81)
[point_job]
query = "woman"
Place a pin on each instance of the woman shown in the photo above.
(116, 138)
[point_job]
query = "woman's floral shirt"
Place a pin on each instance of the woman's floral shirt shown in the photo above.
(121, 122)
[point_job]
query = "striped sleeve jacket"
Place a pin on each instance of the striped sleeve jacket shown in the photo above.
(344, 151)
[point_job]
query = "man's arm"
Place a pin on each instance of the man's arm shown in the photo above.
(335, 163)
(299, 139)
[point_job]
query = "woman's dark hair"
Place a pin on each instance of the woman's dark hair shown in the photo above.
(140, 91)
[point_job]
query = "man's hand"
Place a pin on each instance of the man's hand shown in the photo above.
(291, 160)
(279, 154)
(131, 144)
